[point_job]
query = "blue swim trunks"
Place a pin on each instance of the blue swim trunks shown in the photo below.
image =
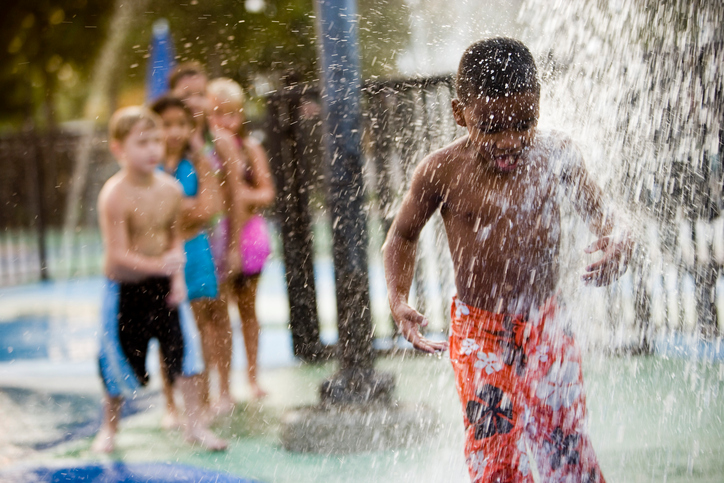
(131, 315)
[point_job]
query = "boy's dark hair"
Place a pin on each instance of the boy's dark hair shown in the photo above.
(496, 67)
(166, 102)
(185, 69)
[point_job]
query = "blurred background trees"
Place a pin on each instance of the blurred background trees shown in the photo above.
(48, 48)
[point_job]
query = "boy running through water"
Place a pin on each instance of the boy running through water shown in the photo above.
(499, 188)
(139, 211)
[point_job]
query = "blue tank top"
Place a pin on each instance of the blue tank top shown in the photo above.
(200, 271)
(186, 175)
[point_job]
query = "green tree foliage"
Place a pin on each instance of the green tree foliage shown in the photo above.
(235, 42)
(46, 47)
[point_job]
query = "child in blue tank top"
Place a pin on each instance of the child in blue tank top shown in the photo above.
(189, 166)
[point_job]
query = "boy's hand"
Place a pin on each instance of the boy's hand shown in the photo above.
(173, 261)
(408, 320)
(617, 252)
(178, 292)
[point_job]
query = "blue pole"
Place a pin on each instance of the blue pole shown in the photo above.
(161, 60)
(337, 27)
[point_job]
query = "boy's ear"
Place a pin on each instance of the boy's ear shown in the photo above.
(457, 109)
(116, 148)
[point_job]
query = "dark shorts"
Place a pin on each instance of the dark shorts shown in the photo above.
(132, 315)
(143, 314)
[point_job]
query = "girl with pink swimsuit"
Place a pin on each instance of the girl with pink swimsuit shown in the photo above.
(240, 242)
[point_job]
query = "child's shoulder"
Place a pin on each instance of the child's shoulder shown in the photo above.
(112, 189)
(167, 184)
(448, 157)
(552, 140)
(557, 150)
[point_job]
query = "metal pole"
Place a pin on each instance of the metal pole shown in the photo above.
(337, 27)
(292, 206)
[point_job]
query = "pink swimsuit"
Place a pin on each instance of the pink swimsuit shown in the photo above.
(254, 243)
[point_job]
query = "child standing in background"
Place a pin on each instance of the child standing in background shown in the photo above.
(139, 214)
(242, 242)
(188, 82)
(186, 162)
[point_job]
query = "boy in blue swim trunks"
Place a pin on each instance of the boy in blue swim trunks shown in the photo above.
(144, 260)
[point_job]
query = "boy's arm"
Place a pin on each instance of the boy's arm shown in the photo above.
(615, 240)
(121, 262)
(178, 291)
(400, 249)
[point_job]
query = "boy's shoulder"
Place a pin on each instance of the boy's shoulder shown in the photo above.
(167, 182)
(116, 189)
(446, 158)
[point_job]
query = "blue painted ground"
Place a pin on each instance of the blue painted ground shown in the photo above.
(119, 472)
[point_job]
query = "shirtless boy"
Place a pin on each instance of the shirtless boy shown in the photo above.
(499, 189)
(145, 295)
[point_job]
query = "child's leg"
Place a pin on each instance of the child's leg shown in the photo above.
(196, 428)
(171, 418)
(105, 440)
(490, 392)
(219, 324)
(212, 318)
(246, 300)
(558, 429)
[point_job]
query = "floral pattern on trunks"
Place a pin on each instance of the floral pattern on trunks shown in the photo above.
(562, 448)
(523, 461)
(468, 347)
(560, 387)
(488, 362)
(520, 382)
(493, 415)
(477, 462)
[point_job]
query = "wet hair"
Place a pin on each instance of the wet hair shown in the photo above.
(166, 102)
(225, 89)
(125, 119)
(496, 67)
(186, 69)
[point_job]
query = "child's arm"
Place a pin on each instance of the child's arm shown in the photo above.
(615, 238)
(198, 210)
(121, 262)
(261, 194)
(400, 249)
(178, 291)
(231, 156)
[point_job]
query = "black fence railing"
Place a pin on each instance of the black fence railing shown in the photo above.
(403, 121)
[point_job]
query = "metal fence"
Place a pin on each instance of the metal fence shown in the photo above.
(403, 121)
(35, 169)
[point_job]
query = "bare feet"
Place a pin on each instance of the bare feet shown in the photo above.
(104, 442)
(223, 407)
(206, 439)
(171, 421)
(256, 391)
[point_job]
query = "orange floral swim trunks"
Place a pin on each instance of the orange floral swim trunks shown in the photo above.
(521, 386)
